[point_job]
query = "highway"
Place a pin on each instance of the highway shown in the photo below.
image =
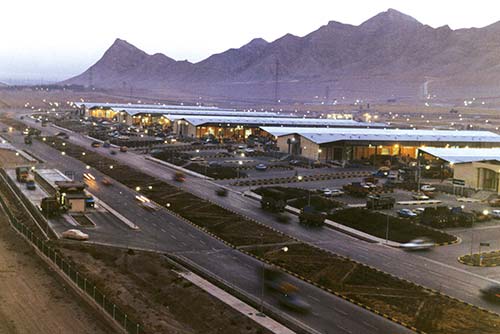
(161, 231)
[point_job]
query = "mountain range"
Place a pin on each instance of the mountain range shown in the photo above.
(389, 56)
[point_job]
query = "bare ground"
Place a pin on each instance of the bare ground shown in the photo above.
(33, 299)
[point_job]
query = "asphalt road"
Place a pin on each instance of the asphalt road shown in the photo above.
(161, 231)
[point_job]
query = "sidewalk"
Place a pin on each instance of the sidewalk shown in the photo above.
(236, 304)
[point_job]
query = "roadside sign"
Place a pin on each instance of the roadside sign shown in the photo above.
(484, 244)
(458, 182)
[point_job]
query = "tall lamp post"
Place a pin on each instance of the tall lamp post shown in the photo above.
(238, 171)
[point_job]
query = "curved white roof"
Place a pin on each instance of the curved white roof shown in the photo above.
(327, 135)
(461, 155)
(277, 120)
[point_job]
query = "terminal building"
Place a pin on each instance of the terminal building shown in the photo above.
(343, 144)
(476, 168)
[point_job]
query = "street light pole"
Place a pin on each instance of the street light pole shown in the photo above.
(261, 313)
(387, 231)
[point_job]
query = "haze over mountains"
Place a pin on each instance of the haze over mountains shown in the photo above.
(388, 56)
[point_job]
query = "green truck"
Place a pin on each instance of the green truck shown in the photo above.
(309, 216)
(376, 202)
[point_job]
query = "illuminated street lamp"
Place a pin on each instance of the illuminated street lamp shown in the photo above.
(238, 170)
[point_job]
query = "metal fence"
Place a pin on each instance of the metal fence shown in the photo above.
(81, 281)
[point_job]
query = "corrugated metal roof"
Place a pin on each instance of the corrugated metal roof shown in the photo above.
(260, 121)
(461, 155)
(200, 112)
(148, 106)
(327, 135)
(133, 110)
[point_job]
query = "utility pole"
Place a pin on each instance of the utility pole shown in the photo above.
(276, 82)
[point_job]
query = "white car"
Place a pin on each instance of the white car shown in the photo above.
(419, 211)
(420, 197)
(333, 193)
(495, 214)
(427, 187)
(75, 235)
(418, 244)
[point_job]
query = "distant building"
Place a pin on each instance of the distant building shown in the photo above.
(477, 168)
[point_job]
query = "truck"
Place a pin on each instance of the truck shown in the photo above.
(356, 189)
(22, 174)
(377, 201)
(309, 216)
(50, 207)
(442, 216)
(273, 200)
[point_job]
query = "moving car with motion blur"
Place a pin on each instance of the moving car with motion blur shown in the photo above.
(418, 244)
(491, 292)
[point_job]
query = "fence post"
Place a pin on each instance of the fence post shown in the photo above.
(77, 278)
(137, 331)
(125, 322)
(85, 284)
(114, 311)
(103, 301)
(94, 292)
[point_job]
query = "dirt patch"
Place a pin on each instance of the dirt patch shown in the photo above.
(33, 298)
(144, 285)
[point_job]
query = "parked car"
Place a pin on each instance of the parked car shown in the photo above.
(406, 213)
(495, 214)
(95, 144)
(332, 192)
(196, 159)
(123, 149)
(419, 211)
(427, 187)
(261, 167)
(75, 235)
(420, 197)
(112, 152)
(31, 185)
(418, 244)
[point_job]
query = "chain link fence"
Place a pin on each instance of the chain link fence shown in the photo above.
(85, 285)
